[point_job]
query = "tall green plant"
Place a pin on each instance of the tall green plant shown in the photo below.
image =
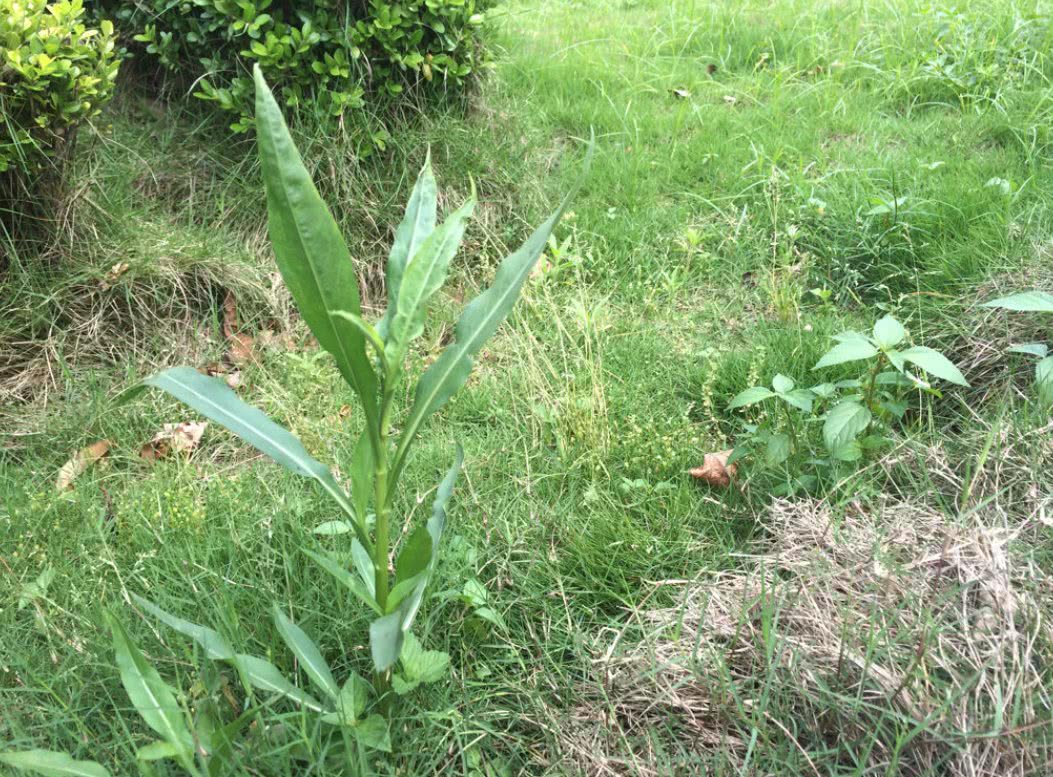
(317, 268)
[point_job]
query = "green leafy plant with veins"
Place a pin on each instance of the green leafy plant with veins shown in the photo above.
(317, 268)
(1033, 302)
(853, 413)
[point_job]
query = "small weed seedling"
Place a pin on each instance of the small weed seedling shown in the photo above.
(317, 268)
(853, 412)
(1033, 302)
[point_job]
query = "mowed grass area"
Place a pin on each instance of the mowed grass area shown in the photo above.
(893, 156)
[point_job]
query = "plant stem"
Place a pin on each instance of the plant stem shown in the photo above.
(792, 427)
(872, 385)
(382, 504)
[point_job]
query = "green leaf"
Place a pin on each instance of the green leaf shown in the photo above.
(215, 400)
(888, 332)
(845, 421)
(373, 733)
(403, 589)
(386, 634)
(362, 476)
(212, 642)
(304, 648)
(353, 699)
(1034, 349)
(364, 566)
(850, 336)
(477, 323)
(425, 666)
(310, 252)
(149, 694)
(1029, 301)
(157, 751)
(750, 396)
(824, 390)
(348, 580)
(415, 555)
(416, 225)
(934, 363)
(801, 399)
(265, 676)
(782, 384)
(847, 351)
(1044, 380)
(386, 638)
(424, 276)
(849, 451)
(778, 450)
(333, 528)
(371, 335)
(52, 764)
(491, 615)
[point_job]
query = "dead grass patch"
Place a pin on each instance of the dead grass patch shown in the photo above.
(892, 640)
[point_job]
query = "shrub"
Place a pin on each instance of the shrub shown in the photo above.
(322, 53)
(54, 73)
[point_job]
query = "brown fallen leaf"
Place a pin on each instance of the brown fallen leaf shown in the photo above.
(111, 277)
(240, 344)
(174, 438)
(715, 469)
(79, 462)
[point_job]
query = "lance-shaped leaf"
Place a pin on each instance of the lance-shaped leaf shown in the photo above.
(387, 634)
(477, 323)
(351, 582)
(150, 695)
(52, 764)
(1029, 301)
(416, 225)
(212, 642)
(256, 671)
(362, 476)
(423, 276)
(309, 249)
(215, 400)
(308, 653)
(265, 676)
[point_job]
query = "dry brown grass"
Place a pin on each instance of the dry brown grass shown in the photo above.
(923, 635)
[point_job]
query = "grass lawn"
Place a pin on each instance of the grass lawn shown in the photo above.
(766, 175)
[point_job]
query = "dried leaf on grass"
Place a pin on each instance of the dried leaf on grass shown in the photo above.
(715, 469)
(174, 438)
(898, 611)
(240, 346)
(79, 463)
(113, 275)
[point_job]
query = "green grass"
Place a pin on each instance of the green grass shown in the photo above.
(740, 153)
